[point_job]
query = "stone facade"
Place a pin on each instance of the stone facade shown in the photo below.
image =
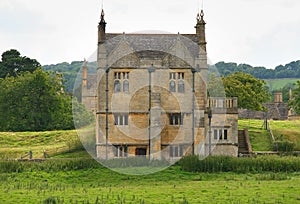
(151, 97)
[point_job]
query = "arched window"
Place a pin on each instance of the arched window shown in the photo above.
(181, 86)
(126, 86)
(172, 86)
(117, 86)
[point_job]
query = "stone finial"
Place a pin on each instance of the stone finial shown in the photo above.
(101, 28)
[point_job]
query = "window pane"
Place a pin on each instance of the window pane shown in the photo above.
(181, 150)
(176, 119)
(126, 119)
(121, 120)
(116, 119)
(126, 151)
(117, 86)
(220, 134)
(176, 151)
(181, 86)
(125, 86)
(171, 151)
(171, 119)
(215, 134)
(116, 151)
(181, 119)
(121, 151)
(225, 134)
(172, 86)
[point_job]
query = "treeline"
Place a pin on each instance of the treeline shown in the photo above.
(291, 70)
(32, 99)
(70, 71)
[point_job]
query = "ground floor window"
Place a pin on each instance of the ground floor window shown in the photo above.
(220, 134)
(120, 151)
(177, 150)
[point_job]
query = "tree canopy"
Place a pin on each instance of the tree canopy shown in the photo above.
(290, 70)
(251, 92)
(295, 103)
(12, 63)
(35, 100)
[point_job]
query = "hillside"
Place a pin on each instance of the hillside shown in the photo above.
(56, 143)
(70, 71)
(282, 130)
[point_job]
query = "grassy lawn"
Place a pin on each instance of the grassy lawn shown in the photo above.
(277, 84)
(101, 185)
(169, 186)
(287, 130)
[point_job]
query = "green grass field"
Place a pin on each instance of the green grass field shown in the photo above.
(98, 184)
(278, 84)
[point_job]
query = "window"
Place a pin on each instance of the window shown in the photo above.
(181, 86)
(126, 86)
(225, 134)
(176, 119)
(176, 79)
(172, 86)
(117, 86)
(120, 151)
(215, 134)
(121, 118)
(220, 134)
(121, 79)
(177, 150)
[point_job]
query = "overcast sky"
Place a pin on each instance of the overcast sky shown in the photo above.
(257, 32)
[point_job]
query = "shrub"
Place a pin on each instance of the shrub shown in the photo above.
(240, 165)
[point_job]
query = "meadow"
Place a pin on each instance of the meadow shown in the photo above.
(278, 84)
(71, 176)
(173, 185)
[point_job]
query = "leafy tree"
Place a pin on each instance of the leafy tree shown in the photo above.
(251, 92)
(295, 103)
(13, 63)
(34, 102)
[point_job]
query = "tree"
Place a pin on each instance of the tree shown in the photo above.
(34, 102)
(13, 63)
(295, 103)
(251, 92)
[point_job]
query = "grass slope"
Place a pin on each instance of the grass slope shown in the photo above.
(278, 84)
(260, 138)
(56, 143)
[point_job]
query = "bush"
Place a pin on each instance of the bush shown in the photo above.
(240, 165)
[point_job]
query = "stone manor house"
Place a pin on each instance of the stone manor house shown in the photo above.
(150, 97)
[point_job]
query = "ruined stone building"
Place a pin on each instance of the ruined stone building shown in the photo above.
(150, 97)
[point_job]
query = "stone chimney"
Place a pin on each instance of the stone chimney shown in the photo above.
(278, 97)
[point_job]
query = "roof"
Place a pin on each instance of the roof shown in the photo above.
(152, 42)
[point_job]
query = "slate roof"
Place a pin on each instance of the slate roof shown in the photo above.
(152, 42)
(276, 111)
